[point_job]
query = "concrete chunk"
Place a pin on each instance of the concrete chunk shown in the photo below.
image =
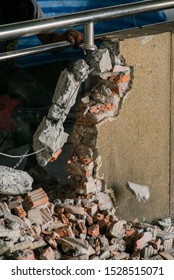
(100, 60)
(66, 89)
(11, 234)
(104, 201)
(50, 137)
(4, 209)
(80, 70)
(57, 113)
(14, 182)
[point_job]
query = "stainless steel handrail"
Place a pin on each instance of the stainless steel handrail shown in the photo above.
(85, 18)
(70, 20)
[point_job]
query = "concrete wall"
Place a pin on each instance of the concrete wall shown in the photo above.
(136, 146)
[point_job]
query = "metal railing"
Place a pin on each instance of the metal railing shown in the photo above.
(85, 18)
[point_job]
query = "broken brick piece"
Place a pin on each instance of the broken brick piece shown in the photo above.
(81, 227)
(94, 230)
(64, 231)
(55, 156)
(91, 208)
(19, 211)
(148, 252)
(47, 218)
(51, 242)
(168, 244)
(63, 219)
(116, 229)
(35, 230)
(47, 254)
(36, 198)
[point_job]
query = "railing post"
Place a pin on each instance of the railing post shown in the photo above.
(89, 37)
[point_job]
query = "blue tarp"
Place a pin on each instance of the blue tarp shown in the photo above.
(57, 7)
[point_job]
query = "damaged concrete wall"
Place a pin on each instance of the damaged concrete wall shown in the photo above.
(136, 145)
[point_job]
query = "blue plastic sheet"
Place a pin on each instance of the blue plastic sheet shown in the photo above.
(62, 7)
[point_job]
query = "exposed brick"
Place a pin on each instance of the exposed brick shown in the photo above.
(64, 231)
(36, 198)
(81, 227)
(55, 156)
(19, 211)
(47, 218)
(94, 230)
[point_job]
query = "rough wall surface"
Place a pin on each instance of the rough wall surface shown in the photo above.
(135, 146)
(172, 131)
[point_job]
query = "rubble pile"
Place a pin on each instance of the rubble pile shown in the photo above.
(83, 228)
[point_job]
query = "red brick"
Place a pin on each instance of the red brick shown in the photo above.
(64, 231)
(36, 198)
(94, 230)
(47, 254)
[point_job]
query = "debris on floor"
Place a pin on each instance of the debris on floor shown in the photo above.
(83, 228)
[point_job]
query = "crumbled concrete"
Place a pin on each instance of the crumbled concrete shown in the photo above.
(80, 70)
(113, 48)
(100, 60)
(14, 182)
(50, 136)
(4, 209)
(141, 192)
(66, 90)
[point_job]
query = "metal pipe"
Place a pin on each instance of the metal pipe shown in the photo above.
(119, 34)
(89, 37)
(33, 50)
(51, 23)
